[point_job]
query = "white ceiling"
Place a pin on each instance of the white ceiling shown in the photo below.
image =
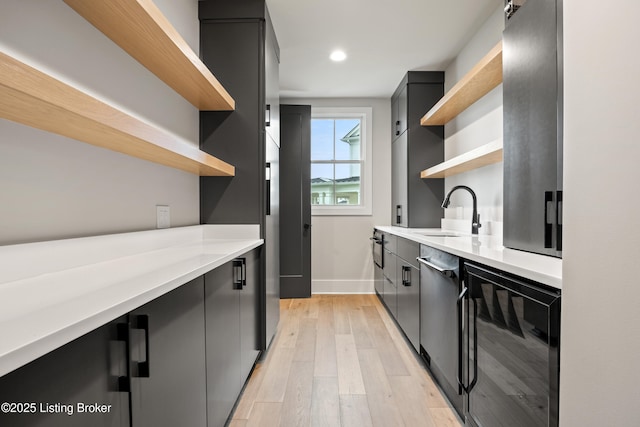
(382, 38)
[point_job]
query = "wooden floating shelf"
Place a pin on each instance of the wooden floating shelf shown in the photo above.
(35, 99)
(482, 156)
(483, 77)
(138, 27)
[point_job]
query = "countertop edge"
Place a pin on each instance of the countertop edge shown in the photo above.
(23, 345)
(540, 268)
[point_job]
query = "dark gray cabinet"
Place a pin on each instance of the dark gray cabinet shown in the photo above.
(232, 332)
(399, 113)
(91, 369)
(238, 42)
(180, 359)
(532, 92)
(390, 293)
(408, 289)
(416, 202)
(168, 372)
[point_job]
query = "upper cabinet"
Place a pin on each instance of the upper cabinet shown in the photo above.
(532, 93)
(416, 203)
(139, 28)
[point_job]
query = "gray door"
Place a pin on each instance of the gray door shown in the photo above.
(173, 389)
(295, 201)
(222, 308)
(249, 314)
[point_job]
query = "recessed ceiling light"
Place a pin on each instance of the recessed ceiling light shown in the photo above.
(338, 55)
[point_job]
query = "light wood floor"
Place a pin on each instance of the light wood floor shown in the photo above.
(340, 360)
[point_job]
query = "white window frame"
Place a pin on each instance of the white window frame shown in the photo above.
(365, 114)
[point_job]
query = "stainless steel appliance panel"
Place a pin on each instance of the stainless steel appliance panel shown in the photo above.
(439, 322)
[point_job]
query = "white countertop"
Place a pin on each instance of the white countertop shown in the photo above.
(54, 292)
(488, 250)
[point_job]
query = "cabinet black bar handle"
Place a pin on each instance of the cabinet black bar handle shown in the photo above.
(559, 220)
(461, 385)
(397, 127)
(548, 219)
(141, 321)
(239, 273)
(267, 175)
(398, 214)
(472, 384)
(123, 383)
(268, 116)
(406, 275)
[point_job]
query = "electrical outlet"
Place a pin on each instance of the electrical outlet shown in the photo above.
(163, 216)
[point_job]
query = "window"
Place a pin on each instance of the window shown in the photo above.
(340, 161)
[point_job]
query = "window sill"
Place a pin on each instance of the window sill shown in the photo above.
(341, 211)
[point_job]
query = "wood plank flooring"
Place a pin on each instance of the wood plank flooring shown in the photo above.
(340, 361)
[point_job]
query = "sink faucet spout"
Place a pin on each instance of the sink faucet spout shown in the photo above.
(475, 218)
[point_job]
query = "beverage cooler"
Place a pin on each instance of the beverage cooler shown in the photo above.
(511, 343)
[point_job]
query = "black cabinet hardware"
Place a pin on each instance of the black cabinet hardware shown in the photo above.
(406, 275)
(267, 121)
(239, 273)
(460, 319)
(141, 368)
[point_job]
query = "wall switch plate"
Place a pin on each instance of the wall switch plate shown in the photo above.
(163, 216)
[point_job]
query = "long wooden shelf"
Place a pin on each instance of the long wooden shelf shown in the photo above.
(138, 27)
(482, 156)
(35, 99)
(483, 77)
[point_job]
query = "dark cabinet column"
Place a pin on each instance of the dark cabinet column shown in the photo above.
(238, 42)
(416, 202)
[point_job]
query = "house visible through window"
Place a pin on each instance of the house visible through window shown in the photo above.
(339, 151)
(335, 161)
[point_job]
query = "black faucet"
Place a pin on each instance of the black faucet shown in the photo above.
(475, 218)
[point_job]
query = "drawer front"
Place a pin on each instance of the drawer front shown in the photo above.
(390, 242)
(408, 250)
(390, 266)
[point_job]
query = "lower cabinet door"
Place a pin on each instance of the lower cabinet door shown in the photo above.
(408, 285)
(249, 314)
(168, 386)
(76, 385)
(222, 307)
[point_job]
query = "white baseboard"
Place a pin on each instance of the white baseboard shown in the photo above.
(342, 287)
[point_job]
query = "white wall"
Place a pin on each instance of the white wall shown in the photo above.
(479, 124)
(600, 333)
(340, 246)
(55, 187)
